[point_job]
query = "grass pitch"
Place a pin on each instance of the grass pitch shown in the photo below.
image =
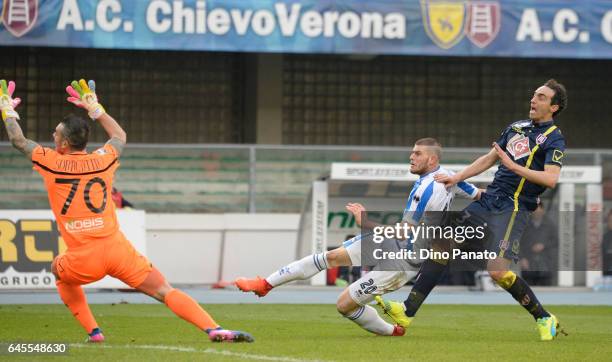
(312, 332)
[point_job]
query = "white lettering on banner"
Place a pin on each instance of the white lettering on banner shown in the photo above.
(311, 24)
(161, 16)
(606, 26)
(349, 24)
(219, 21)
(286, 20)
(565, 27)
(263, 23)
(529, 27)
(183, 19)
(70, 15)
(331, 18)
(563, 32)
(153, 22)
(200, 18)
(104, 22)
(241, 20)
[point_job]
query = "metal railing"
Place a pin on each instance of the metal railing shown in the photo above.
(230, 177)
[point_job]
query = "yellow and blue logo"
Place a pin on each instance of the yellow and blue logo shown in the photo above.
(444, 21)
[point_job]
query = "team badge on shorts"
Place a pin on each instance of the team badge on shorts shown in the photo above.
(518, 146)
(503, 245)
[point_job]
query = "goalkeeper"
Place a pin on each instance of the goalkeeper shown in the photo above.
(79, 186)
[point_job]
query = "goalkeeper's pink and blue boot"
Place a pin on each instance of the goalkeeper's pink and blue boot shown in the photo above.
(226, 335)
(95, 336)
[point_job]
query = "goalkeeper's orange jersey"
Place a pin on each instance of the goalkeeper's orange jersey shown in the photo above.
(79, 187)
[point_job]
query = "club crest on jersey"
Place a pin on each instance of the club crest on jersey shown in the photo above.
(483, 22)
(19, 16)
(444, 21)
(518, 146)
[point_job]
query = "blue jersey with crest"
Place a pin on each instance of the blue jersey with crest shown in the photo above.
(532, 145)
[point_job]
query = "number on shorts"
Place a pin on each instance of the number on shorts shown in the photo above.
(367, 286)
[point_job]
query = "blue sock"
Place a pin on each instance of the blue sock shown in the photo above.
(428, 277)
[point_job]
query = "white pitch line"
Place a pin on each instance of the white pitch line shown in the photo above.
(259, 357)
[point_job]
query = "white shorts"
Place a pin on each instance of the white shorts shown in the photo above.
(377, 282)
(353, 247)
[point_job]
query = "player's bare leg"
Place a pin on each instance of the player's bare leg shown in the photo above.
(156, 286)
(302, 269)
(74, 298)
(365, 316)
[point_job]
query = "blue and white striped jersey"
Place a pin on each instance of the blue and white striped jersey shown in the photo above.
(429, 195)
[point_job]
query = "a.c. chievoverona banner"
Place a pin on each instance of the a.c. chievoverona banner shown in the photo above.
(514, 28)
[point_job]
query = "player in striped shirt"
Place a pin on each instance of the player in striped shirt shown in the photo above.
(426, 196)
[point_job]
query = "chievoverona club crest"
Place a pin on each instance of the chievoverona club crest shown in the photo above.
(444, 21)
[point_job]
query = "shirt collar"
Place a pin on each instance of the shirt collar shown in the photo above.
(544, 124)
(429, 173)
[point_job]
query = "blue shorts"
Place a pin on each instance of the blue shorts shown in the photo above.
(504, 226)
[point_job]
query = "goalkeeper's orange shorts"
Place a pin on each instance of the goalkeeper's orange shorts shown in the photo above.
(114, 256)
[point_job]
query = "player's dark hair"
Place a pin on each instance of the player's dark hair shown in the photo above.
(76, 131)
(436, 147)
(560, 97)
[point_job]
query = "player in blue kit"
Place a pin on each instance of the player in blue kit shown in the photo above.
(531, 154)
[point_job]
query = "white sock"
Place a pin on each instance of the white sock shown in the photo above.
(367, 318)
(298, 270)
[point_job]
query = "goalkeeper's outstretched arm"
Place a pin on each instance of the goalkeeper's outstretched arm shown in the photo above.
(10, 117)
(116, 134)
(83, 95)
